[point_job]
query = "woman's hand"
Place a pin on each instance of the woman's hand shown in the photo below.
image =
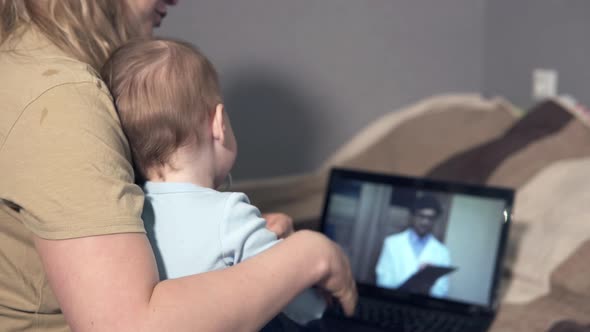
(279, 223)
(337, 280)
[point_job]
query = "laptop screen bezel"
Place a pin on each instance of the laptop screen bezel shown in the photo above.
(395, 180)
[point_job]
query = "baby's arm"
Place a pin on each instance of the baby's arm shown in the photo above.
(279, 223)
(243, 230)
(245, 234)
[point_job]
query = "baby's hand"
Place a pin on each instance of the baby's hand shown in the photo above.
(279, 223)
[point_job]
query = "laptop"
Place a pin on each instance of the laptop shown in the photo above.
(426, 254)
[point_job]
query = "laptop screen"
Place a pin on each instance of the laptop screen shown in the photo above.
(418, 236)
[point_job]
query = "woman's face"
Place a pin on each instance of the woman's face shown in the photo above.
(150, 13)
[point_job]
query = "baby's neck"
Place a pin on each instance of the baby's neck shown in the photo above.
(185, 166)
(185, 177)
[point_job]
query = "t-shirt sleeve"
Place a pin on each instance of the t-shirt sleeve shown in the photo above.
(243, 231)
(66, 164)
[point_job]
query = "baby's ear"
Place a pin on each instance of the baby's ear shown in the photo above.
(218, 123)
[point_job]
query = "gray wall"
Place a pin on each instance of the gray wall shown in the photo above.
(526, 34)
(301, 77)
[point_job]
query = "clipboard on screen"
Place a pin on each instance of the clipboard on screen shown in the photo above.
(423, 280)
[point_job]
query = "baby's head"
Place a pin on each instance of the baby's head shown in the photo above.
(169, 102)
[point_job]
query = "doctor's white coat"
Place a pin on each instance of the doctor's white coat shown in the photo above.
(398, 262)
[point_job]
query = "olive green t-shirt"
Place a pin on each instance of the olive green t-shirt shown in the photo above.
(65, 172)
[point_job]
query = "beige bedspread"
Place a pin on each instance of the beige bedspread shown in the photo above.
(544, 155)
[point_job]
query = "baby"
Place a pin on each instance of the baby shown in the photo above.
(169, 102)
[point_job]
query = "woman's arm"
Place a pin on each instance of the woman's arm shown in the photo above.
(110, 283)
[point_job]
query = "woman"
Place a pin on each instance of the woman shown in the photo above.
(73, 251)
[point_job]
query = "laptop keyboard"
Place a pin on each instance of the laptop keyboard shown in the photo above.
(408, 318)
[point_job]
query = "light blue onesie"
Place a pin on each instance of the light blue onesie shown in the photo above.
(194, 229)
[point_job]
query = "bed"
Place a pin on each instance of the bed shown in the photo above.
(542, 152)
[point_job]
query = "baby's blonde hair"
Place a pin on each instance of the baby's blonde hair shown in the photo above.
(165, 91)
(88, 30)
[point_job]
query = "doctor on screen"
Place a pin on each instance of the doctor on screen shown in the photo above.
(407, 252)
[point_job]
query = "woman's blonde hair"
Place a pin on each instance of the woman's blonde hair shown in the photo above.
(88, 30)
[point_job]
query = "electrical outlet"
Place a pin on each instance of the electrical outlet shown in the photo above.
(544, 84)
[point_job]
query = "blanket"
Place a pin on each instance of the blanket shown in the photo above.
(544, 154)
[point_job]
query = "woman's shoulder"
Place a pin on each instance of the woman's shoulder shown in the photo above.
(67, 87)
(34, 66)
(38, 76)
(33, 75)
